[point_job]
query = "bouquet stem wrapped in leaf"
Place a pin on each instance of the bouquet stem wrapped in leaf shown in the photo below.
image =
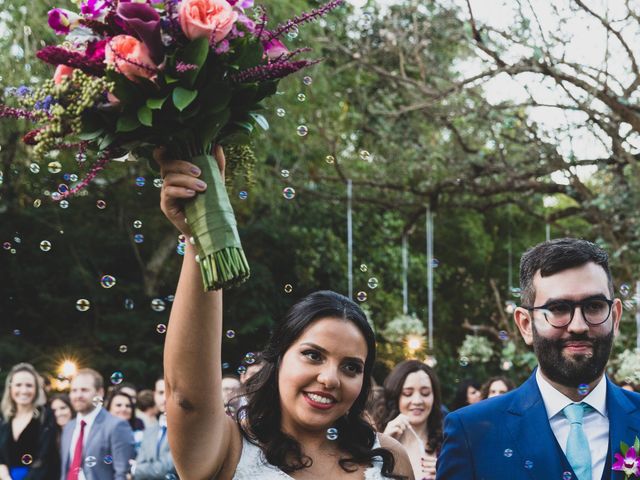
(213, 225)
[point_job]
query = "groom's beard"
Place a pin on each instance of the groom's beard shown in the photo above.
(577, 370)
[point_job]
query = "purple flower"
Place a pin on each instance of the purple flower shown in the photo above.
(222, 47)
(274, 48)
(243, 4)
(144, 21)
(23, 91)
(629, 464)
(249, 24)
(63, 21)
(94, 8)
(58, 55)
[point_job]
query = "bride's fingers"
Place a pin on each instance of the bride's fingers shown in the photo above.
(186, 181)
(171, 192)
(179, 166)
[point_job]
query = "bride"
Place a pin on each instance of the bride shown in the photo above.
(303, 418)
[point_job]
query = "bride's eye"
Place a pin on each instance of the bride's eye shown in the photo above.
(312, 355)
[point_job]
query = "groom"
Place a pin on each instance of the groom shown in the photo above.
(567, 420)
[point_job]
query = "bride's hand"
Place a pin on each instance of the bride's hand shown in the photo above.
(180, 183)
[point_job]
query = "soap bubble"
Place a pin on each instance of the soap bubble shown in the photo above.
(230, 334)
(34, 168)
(158, 305)
(372, 283)
(289, 193)
(140, 181)
(288, 288)
(330, 159)
(107, 281)
(284, 173)
(243, 195)
(137, 224)
(123, 348)
(361, 296)
(302, 130)
(307, 80)
(161, 328)
(45, 245)
(508, 452)
(302, 97)
(583, 389)
(90, 461)
(281, 112)
(332, 434)
(26, 459)
(82, 305)
(117, 377)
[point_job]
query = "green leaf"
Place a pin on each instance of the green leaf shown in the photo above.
(127, 123)
(106, 141)
(145, 116)
(195, 54)
(246, 126)
(210, 127)
(623, 448)
(251, 56)
(636, 445)
(90, 135)
(182, 97)
(156, 103)
(124, 90)
(169, 79)
(260, 120)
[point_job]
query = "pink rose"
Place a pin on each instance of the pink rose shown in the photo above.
(62, 72)
(130, 57)
(212, 19)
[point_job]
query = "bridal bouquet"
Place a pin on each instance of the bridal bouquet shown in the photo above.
(132, 75)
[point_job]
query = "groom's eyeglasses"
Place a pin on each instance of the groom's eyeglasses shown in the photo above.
(559, 313)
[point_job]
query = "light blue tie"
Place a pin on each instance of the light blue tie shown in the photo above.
(578, 452)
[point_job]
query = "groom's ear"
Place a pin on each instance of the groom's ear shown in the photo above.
(524, 321)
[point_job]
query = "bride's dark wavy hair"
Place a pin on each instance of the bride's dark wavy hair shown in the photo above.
(260, 419)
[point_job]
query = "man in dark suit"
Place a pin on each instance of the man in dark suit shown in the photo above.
(95, 445)
(567, 420)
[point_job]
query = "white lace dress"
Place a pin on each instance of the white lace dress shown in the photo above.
(254, 466)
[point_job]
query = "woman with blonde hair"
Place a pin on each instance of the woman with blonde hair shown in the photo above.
(28, 435)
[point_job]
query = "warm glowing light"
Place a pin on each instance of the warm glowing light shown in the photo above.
(414, 342)
(68, 368)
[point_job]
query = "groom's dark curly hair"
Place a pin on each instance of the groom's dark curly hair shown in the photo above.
(260, 420)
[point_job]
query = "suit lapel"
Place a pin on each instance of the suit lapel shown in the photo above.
(624, 423)
(531, 433)
(94, 432)
(66, 446)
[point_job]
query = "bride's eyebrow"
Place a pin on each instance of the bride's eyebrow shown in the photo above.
(325, 351)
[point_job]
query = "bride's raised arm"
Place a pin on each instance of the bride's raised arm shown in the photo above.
(202, 437)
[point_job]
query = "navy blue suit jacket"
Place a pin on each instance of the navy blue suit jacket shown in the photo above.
(509, 437)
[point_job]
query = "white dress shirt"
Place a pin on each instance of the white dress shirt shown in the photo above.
(88, 419)
(595, 422)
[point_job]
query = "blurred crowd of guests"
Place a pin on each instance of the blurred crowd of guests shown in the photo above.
(85, 435)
